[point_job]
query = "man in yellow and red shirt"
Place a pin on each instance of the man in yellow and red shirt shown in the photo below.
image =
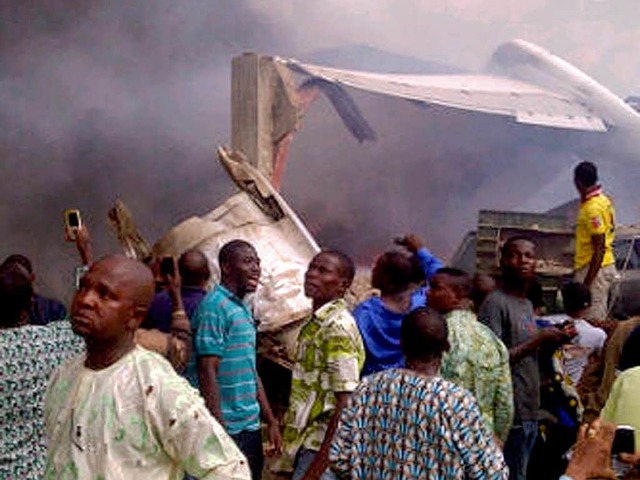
(594, 262)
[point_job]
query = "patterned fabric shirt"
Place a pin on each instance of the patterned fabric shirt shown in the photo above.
(479, 362)
(224, 327)
(399, 425)
(136, 419)
(28, 356)
(329, 358)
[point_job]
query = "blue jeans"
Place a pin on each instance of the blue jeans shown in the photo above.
(304, 458)
(518, 447)
(250, 443)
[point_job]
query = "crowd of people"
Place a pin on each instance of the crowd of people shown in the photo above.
(443, 375)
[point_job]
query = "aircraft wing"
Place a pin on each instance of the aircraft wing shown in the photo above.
(494, 94)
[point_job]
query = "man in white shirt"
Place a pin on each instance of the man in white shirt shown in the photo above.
(120, 411)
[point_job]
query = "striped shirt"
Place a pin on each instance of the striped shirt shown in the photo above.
(224, 327)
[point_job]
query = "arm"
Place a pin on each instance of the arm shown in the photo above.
(481, 456)
(273, 428)
(180, 338)
(598, 242)
(83, 244)
(340, 449)
(208, 373)
(503, 404)
(549, 335)
(430, 263)
(321, 461)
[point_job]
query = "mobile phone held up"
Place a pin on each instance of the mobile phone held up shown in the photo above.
(624, 440)
(72, 222)
(167, 266)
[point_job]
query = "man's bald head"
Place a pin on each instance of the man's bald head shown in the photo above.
(112, 301)
(193, 266)
(134, 276)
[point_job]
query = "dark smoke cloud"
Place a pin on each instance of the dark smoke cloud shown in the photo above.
(100, 100)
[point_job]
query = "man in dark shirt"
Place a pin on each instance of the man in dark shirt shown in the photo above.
(509, 313)
(194, 271)
(43, 310)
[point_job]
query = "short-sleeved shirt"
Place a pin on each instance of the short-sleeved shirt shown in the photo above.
(479, 362)
(596, 216)
(45, 310)
(224, 327)
(511, 319)
(28, 356)
(135, 419)
(161, 308)
(380, 327)
(399, 425)
(329, 358)
(623, 404)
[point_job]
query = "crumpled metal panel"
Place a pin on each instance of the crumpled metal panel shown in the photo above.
(259, 215)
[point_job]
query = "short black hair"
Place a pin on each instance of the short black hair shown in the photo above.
(229, 250)
(424, 335)
(576, 296)
(194, 268)
(16, 293)
(347, 267)
(21, 260)
(392, 273)
(586, 173)
(506, 246)
(462, 281)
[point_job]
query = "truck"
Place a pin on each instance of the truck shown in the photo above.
(553, 234)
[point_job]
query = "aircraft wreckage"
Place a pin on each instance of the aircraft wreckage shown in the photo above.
(522, 81)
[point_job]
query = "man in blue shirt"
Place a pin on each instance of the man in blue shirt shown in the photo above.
(194, 271)
(225, 345)
(401, 280)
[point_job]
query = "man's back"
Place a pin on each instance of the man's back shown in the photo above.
(395, 414)
(134, 419)
(479, 362)
(159, 315)
(28, 356)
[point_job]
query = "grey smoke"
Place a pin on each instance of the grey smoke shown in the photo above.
(102, 99)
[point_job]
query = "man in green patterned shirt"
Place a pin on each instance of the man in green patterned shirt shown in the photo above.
(477, 360)
(329, 358)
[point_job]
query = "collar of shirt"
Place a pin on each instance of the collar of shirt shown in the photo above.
(327, 310)
(230, 295)
(592, 192)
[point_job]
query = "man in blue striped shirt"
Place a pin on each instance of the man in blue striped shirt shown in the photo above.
(225, 344)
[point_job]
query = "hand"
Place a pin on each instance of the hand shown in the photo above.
(411, 242)
(273, 432)
(569, 329)
(631, 458)
(592, 452)
(552, 335)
